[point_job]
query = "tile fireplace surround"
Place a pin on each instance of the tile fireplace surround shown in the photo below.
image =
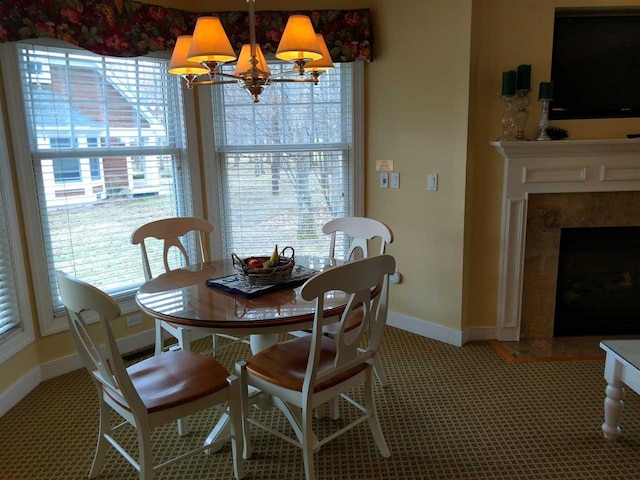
(587, 167)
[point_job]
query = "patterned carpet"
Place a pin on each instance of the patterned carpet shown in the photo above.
(449, 413)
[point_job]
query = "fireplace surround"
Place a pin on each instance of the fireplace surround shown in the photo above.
(554, 167)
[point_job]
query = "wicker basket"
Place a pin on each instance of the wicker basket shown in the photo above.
(265, 276)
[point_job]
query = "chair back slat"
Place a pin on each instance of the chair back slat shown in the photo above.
(359, 230)
(170, 230)
(105, 364)
(359, 280)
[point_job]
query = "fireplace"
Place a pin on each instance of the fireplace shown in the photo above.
(550, 186)
(598, 287)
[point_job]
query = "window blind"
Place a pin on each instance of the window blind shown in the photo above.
(286, 163)
(109, 154)
(9, 306)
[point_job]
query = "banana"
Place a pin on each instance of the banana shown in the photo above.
(273, 260)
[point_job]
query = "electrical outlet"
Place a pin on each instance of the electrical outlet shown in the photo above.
(133, 320)
(396, 277)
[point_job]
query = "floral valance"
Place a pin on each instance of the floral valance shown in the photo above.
(125, 28)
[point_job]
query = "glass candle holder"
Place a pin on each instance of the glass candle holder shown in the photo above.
(544, 121)
(522, 102)
(507, 120)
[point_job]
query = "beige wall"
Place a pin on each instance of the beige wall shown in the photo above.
(505, 34)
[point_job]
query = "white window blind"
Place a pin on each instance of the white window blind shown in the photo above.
(9, 311)
(16, 325)
(109, 154)
(286, 163)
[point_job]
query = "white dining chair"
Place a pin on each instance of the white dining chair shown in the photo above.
(147, 394)
(309, 371)
(358, 232)
(170, 231)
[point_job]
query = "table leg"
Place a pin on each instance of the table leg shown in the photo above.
(613, 405)
(260, 342)
(264, 402)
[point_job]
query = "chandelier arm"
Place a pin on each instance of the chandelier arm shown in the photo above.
(213, 82)
(228, 75)
(293, 80)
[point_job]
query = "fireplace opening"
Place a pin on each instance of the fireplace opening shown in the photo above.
(598, 286)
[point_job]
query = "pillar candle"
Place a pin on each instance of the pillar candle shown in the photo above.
(524, 77)
(546, 91)
(509, 83)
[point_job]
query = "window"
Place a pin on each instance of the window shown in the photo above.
(66, 170)
(286, 165)
(94, 166)
(92, 123)
(16, 327)
(94, 162)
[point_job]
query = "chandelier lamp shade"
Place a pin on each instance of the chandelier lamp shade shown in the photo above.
(204, 52)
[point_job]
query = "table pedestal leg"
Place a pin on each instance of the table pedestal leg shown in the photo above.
(613, 405)
(260, 342)
(264, 402)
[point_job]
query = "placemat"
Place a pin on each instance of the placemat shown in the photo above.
(232, 284)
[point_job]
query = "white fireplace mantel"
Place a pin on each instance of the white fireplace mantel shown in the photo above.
(562, 166)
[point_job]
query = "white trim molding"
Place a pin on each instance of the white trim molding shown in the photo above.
(425, 328)
(566, 166)
(16, 392)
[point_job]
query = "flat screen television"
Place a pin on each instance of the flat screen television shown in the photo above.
(595, 64)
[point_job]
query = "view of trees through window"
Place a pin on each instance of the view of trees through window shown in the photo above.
(286, 162)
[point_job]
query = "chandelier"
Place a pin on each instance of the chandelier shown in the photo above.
(204, 53)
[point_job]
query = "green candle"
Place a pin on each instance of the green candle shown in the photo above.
(524, 77)
(509, 83)
(546, 91)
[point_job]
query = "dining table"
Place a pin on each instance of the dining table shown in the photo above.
(185, 297)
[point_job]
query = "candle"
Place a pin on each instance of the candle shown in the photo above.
(546, 91)
(524, 77)
(509, 83)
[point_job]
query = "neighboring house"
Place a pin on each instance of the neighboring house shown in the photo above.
(83, 120)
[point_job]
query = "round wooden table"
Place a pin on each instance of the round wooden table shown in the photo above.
(182, 297)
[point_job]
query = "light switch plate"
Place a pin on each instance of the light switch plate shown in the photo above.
(432, 181)
(384, 179)
(395, 180)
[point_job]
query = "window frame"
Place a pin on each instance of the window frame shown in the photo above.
(36, 245)
(213, 170)
(24, 335)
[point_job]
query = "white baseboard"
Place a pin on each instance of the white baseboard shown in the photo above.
(425, 328)
(72, 362)
(60, 366)
(16, 392)
(439, 332)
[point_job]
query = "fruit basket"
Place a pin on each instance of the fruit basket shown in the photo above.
(255, 270)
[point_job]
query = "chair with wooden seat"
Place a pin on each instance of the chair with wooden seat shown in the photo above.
(169, 231)
(308, 371)
(150, 393)
(359, 231)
